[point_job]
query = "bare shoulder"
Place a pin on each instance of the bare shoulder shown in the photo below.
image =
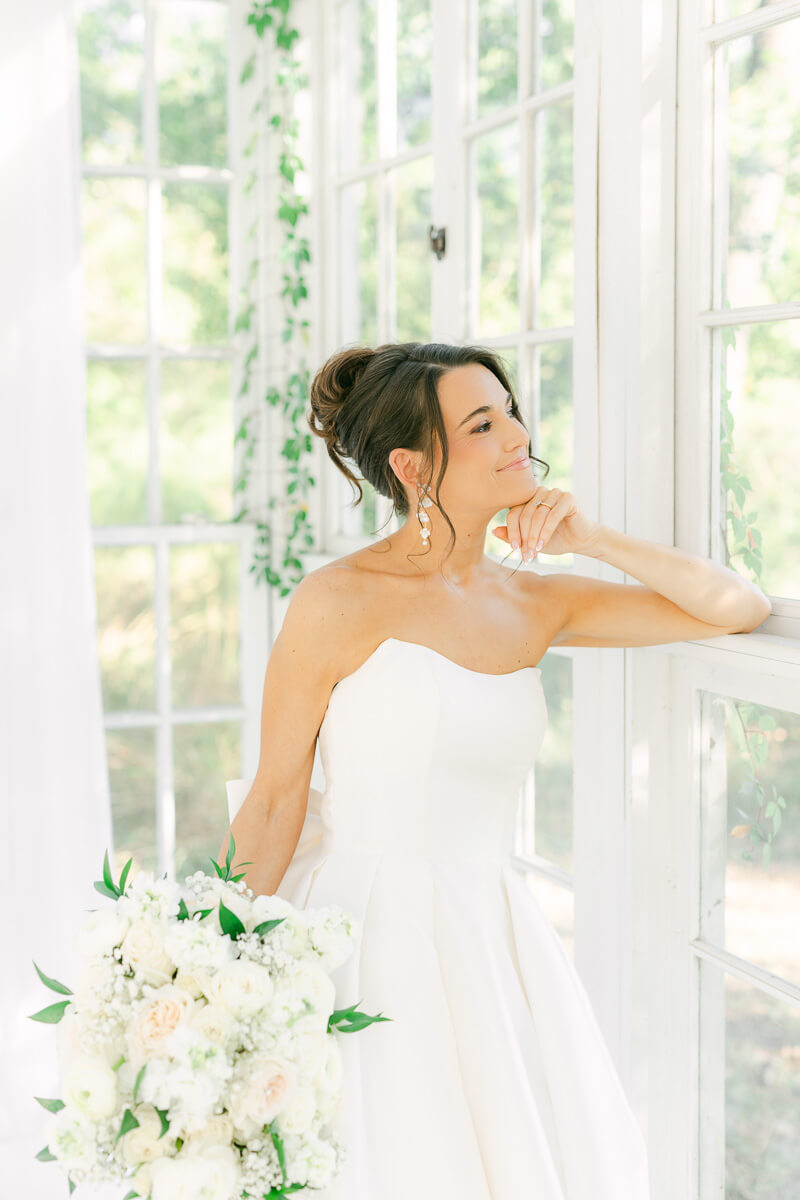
(328, 614)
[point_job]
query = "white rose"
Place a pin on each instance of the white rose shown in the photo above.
(243, 987)
(261, 1087)
(298, 1115)
(329, 1077)
(192, 982)
(149, 898)
(144, 1144)
(101, 932)
(313, 983)
(218, 1132)
(215, 1022)
(90, 1086)
(143, 949)
(155, 1018)
(212, 1175)
(311, 1051)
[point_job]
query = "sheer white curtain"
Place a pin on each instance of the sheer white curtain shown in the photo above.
(55, 820)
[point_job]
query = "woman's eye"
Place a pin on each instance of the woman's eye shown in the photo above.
(488, 424)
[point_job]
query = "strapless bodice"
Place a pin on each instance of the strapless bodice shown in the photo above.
(424, 756)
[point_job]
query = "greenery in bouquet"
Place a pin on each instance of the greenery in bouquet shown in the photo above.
(198, 1056)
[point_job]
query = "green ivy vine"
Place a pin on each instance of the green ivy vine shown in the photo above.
(741, 538)
(291, 398)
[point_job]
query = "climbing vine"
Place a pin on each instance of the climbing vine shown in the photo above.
(279, 566)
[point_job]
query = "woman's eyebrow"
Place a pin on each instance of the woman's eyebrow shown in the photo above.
(483, 408)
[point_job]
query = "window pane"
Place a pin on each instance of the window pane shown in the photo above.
(758, 367)
(557, 32)
(195, 249)
(205, 756)
(738, 8)
(495, 239)
(110, 37)
(544, 822)
(749, 1090)
(191, 66)
(496, 54)
(114, 259)
(555, 243)
(414, 53)
(126, 631)
(116, 428)
(196, 451)
(412, 218)
(758, 203)
(358, 265)
(204, 624)
(750, 884)
(357, 102)
(132, 783)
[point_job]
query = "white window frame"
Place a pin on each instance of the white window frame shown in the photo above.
(254, 608)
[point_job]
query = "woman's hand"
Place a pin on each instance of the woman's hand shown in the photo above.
(559, 529)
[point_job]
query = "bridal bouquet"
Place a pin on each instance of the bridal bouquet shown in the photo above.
(198, 1055)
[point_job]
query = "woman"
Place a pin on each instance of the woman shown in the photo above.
(414, 660)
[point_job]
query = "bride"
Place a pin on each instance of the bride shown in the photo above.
(414, 662)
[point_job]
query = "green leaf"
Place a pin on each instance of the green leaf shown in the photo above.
(71, 1186)
(53, 1106)
(124, 876)
(162, 1112)
(108, 878)
(183, 912)
(52, 1014)
(265, 926)
(104, 891)
(53, 983)
(138, 1081)
(129, 1122)
(217, 868)
(347, 1020)
(229, 922)
(44, 1155)
(231, 849)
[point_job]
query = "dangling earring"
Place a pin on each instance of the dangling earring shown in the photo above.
(424, 501)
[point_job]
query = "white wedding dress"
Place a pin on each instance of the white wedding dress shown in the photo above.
(492, 1081)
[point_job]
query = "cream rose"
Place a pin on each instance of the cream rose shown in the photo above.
(212, 1175)
(298, 1114)
(215, 1022)
(145, 1143)
(218, 1132)
(90, 1086)
(261, 1088)
(193, 982)
(101, 932)
(242, 986)
(156, 1017)
(143, 950)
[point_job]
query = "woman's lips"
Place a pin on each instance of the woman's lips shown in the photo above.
(522, 465)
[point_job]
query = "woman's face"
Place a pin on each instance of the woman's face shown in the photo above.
(481, 444)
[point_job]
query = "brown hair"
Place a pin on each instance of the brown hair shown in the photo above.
(365, 402)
